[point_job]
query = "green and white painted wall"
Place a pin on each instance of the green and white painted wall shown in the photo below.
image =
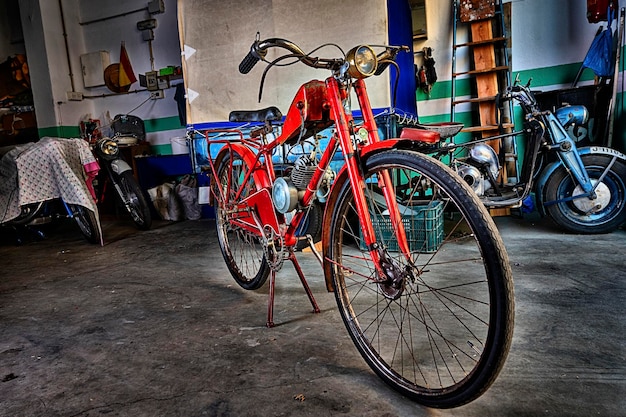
(549, 40)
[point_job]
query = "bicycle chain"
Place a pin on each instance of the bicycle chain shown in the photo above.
(275, 257)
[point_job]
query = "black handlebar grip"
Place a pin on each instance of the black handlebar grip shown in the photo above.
(248, 62)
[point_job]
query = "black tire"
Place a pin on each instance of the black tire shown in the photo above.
(87, 223)
(134, 200)
(242, 251)
(574, 216)
(440, 333)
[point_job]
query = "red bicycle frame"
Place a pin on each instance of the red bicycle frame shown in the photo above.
(317, 105)
(314, 101)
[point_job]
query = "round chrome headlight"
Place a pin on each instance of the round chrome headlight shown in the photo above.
(108, 148)
(362, 60)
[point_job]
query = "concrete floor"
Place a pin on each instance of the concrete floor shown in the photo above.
(151, 324)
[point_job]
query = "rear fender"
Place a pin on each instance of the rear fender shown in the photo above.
(549, 170)
(260, 176)
(342, 181)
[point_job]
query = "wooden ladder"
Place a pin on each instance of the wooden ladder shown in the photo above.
(488, 73)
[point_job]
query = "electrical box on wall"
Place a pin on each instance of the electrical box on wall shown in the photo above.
(156, 6)
(92, 66)
(151, 81)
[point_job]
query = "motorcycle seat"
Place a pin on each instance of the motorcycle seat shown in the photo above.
(268, 114)
(421, 135)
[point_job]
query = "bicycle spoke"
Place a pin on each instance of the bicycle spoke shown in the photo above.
(423, 320)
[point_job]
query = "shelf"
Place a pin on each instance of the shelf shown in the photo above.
(482, 42)
(482, 71)
(487, 128)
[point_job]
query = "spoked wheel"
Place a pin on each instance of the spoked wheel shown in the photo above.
(87, 222)
(134, 200)
(438, 327)
(243, 252)
(603, 214)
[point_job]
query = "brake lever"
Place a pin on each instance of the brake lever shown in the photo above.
(387, 57)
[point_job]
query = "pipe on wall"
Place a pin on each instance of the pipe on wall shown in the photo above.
(67, 49)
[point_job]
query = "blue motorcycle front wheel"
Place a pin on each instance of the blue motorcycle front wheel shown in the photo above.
(602, 214)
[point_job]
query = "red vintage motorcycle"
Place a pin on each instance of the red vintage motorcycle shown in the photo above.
(420, 273)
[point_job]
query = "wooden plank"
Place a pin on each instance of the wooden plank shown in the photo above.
(483, 71)
(473, 43)
(486, 128)
(486, 85)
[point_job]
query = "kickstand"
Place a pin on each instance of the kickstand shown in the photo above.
(307, 289)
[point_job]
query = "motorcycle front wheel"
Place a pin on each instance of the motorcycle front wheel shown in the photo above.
(87, 222)
(603, 214)
(134, 200)
(435, 326)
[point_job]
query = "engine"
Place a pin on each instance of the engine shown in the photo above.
(473, 177)
(479, 169)
(289, 190)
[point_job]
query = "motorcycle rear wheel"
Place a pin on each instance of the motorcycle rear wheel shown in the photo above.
(575, 216)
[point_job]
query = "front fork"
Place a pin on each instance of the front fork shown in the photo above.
(568, 153)
(344, 124)
(118, 166)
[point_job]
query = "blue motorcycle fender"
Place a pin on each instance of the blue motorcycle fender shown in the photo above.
(549, 170)
(119, 165)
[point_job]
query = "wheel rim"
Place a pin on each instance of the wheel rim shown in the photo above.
(429, 335)
(81, 217)
(243, 252)
(599, 203)
(131, 201)
(609, 203)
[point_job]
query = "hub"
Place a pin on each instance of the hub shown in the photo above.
(586, 205)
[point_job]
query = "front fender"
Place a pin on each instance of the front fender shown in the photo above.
(119, 165)
(550, 169)
(342, 181)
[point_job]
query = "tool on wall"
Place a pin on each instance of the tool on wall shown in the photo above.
(426, 75)
(147, 29)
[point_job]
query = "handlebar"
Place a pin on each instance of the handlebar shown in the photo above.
(259, 49)
(522, 94)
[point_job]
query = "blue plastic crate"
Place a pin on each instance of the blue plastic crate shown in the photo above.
(423, 226)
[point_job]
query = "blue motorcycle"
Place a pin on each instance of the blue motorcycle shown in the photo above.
(583, 190)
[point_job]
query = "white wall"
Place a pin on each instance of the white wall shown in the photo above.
(49, 67)
(108, 35)
(549, 33)
(222, 33)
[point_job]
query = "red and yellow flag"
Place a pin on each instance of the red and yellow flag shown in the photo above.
(126, 73)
